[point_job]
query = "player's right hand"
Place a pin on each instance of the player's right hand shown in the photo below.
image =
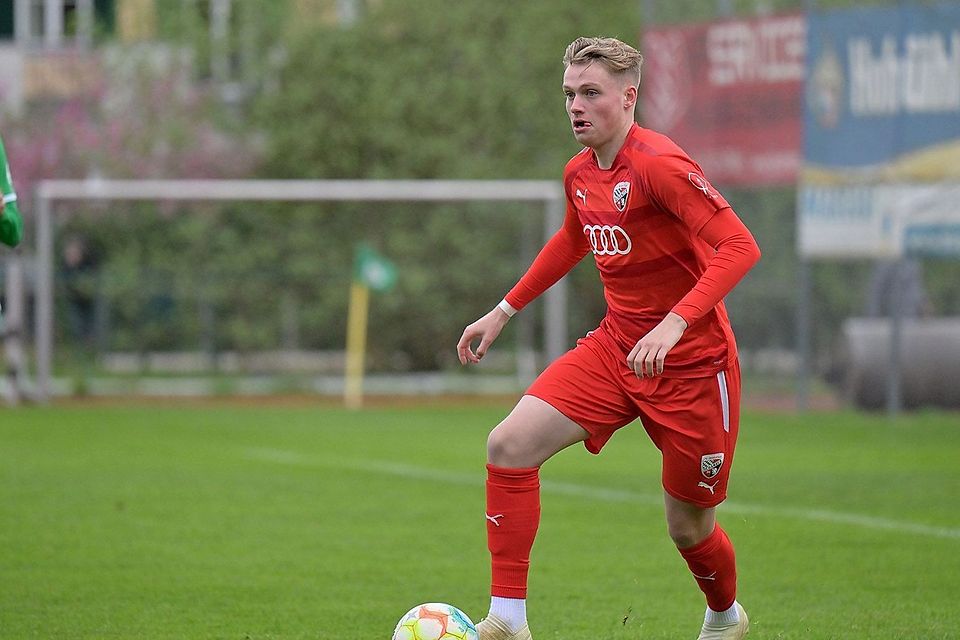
(487, 329)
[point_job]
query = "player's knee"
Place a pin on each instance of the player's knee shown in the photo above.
(684, 535)
(505, 449)
(691, 530)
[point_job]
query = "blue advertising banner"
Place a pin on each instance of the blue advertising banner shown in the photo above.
(881, 129)
(883, 90)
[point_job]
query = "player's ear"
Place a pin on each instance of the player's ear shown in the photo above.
(629, 97)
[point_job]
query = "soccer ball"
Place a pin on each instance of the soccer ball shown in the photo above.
(435, 621)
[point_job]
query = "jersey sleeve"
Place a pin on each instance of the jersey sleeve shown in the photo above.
(11, 224)
(559, 255)
(677, 185)
(736, 253)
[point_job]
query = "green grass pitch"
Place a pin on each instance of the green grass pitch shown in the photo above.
(243, 521)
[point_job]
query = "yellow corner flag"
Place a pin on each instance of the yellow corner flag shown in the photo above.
(370, 271)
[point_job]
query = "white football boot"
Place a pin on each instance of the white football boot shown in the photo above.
(493, 628)
(733, 631)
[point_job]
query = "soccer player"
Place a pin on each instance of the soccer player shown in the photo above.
(668, 248)
(11, 224)
(11, 232)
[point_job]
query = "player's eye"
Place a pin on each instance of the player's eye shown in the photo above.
(592, 93)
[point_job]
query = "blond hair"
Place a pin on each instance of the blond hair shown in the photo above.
(618, 57)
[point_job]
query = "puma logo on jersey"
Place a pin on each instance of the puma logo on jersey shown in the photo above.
(709, 486)
(582, 195)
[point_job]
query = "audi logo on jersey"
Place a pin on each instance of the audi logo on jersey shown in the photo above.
(607, 240)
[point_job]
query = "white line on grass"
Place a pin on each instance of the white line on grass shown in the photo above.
(597, 493)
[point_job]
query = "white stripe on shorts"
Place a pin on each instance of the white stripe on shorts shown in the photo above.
(724, 400)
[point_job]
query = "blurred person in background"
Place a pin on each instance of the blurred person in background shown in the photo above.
(80, 269)
(897, 283)
(11, 232)
(668, 248)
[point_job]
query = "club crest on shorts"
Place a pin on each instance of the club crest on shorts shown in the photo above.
(710, 464)
(621, 193)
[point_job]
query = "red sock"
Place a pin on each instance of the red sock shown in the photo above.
(714, 566)
(513, 515)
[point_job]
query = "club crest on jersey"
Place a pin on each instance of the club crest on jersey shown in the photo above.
(621, 193)
(710, 464)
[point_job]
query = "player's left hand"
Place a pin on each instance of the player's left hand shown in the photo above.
(646, 358)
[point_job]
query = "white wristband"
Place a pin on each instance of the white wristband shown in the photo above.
(506, 308)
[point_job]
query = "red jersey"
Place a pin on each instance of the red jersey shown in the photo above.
(641, 218)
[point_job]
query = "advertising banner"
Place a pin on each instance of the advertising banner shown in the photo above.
(881, 141)
(731, 94)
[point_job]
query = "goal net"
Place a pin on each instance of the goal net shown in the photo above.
(241, 286)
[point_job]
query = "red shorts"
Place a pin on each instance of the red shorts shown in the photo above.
(692, 421)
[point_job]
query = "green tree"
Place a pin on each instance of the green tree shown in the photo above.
(429, 90)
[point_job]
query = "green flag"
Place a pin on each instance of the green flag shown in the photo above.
(374, 270)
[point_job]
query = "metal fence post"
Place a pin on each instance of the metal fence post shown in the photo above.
(44, 302)
(804, 314)
(555, 302)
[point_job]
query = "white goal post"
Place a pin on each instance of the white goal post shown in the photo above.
(50, 192)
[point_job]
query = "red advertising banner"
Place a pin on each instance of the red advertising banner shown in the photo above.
(730, 93)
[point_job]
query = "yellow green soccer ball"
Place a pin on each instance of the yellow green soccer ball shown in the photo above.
(435, 621)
